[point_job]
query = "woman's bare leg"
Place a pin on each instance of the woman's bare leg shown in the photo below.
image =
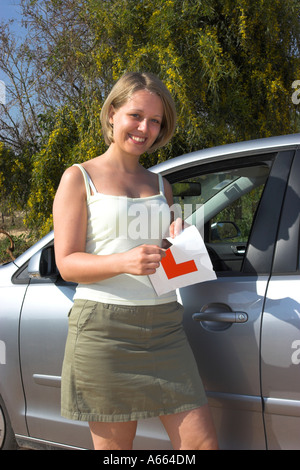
(191, 430)
(113, 436)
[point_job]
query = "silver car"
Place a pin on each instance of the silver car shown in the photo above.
(244, 327)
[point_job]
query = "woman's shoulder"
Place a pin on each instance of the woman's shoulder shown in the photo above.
(72, 181)
(72, 174)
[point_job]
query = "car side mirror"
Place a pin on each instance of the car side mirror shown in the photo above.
(42, 264)
(224, 231)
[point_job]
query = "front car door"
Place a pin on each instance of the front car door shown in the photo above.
(238, 213)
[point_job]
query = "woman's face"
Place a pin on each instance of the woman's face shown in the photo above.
(137, 123)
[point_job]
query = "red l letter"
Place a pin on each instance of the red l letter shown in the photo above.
(172, 269)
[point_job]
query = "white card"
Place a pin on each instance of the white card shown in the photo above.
(187, 262)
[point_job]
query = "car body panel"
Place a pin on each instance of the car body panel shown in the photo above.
(280, 351)
(10, 373)
(280, 362)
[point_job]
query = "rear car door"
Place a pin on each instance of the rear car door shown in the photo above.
(43, 332)
(238, 212)
(280, 337)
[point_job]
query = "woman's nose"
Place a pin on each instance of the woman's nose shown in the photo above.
(143, 125)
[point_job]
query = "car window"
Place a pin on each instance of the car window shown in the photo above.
(222, 205)
(235, 221)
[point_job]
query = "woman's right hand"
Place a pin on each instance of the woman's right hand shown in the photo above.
(143, 259)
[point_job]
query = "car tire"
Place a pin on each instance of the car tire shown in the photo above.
(7, 437)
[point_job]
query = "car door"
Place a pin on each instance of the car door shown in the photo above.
(280, 338)
(223, 317)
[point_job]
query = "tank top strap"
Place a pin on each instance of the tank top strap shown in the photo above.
(161, 184)
(89, 185)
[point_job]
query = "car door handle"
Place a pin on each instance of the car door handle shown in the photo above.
(224, 317)
(239, 250)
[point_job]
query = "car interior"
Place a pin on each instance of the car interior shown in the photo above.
(223, 210)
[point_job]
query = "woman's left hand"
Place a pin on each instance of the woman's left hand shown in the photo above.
(176, 227)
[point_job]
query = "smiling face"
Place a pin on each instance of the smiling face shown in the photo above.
(137, 123)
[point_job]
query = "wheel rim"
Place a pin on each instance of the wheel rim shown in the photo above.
(2, 428)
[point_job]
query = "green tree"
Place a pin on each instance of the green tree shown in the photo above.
(15, 171)
(69, 138)
(229, 64)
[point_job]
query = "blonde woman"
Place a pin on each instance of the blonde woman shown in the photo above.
(126, 357)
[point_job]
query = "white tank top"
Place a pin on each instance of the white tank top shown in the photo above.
(117, 224)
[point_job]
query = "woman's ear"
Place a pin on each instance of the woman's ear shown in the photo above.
(111, 114)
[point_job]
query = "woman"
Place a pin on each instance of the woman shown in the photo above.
(126, 355)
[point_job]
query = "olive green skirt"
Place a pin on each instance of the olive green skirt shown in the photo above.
(125, 363)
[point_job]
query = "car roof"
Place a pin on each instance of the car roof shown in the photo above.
(223, 152)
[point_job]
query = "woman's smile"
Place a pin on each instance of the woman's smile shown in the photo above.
(137, 139)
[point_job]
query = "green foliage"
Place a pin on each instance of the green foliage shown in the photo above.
(15, 171)
(229, 65)
(69, 139)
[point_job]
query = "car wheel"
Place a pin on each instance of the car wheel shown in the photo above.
(7, 437)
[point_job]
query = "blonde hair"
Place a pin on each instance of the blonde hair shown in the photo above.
(122, 91)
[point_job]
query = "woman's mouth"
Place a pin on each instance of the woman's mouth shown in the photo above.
(139, 140)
